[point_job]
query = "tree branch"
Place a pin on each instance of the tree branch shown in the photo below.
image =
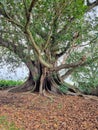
(69, 72)
(30, 37)
(18, 50)
(25, 7)
(37, 49)
(64, 51)
(9, 18)
(91, 5)
(48, 40)
(75, 65)
(28, 12)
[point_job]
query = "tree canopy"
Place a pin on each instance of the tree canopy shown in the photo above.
(40, 32)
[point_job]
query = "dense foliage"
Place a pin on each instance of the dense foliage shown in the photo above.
(41, 33)
(4, 84)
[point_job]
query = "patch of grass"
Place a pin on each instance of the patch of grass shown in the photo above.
(4, 84)
(5, 125)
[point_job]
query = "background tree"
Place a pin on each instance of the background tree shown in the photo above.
(40, 33)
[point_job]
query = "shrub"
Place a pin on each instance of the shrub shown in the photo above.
(4, 84)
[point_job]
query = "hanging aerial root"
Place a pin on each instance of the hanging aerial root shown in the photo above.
(45, 94)
(55, 87)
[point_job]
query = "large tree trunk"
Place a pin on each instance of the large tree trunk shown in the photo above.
(40, 79)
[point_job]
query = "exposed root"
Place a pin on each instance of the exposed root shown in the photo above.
(90, 97)
(27, 86)
(44, 94)
(20, 89)
(71, 93)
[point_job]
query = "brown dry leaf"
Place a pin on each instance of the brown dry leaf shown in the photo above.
(36, 112)
(55, 126)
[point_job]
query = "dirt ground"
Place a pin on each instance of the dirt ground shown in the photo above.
(31, 111)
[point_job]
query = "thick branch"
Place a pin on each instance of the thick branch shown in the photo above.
(36, 48)
(75, 65)
(69, 72)
(32, 5)
(28, 12)
(30, 37)
(91, 5)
